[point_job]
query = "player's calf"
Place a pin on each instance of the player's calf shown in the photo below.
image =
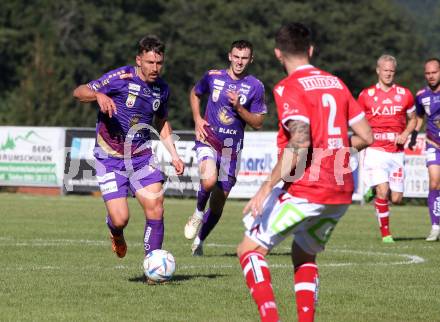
(383, 217)
(306, 291)
(396, 199)
(258, 280)
(119, 246)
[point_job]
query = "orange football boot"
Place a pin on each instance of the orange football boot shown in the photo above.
(118, 245)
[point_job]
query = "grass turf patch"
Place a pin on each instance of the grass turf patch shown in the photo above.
(57, 265)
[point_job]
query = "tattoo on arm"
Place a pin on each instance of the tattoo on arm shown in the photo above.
(299, 135)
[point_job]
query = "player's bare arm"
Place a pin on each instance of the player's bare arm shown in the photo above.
(199, 121)
(165, 132)
(294, 153)
(420, 121)
(363, 135)
(84, 94)
(255, 120)
(410, 126)
(413, 138)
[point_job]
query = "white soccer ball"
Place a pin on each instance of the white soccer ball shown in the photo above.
(159, 265)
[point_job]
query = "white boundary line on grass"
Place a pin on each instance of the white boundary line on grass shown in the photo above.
(32, 268)
(407, 259)
(410, 259)
(39, 242)
(6, 241)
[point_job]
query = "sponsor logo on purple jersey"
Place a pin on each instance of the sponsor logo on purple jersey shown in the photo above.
(137, 102)
(226, 125)
(428, 103)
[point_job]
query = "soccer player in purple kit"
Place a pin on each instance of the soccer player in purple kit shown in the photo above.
(235, 99)
(130, 98)
(428, 104)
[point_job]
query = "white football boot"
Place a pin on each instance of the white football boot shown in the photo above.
(433, 235)
(197, 247)
(193, 225)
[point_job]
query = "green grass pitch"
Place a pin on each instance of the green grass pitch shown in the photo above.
(56, 265)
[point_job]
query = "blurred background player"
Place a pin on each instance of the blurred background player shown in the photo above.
(315, 110)
(129, 98)
(235, 99)
(428, 104)
(387, 107)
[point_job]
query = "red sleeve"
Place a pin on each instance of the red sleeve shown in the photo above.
(410, 107)
(355, 110)
(291, 105)
(361, 100)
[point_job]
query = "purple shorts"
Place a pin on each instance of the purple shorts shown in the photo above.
(432, 155)
(116, 176)
(227, 166)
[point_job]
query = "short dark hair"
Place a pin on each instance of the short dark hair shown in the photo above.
(432, 59)
(294, 38)
(151, 43)
(242, 44)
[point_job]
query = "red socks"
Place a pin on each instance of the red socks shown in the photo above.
(383, 213)
(258, 280)
(306, 291)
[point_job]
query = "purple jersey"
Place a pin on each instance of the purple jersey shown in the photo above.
(137, 102)
(226, 123)
(428, 103)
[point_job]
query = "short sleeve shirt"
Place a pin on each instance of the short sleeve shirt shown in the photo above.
(137, 103)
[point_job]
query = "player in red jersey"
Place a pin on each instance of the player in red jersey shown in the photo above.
(387, 107)
(315, 110)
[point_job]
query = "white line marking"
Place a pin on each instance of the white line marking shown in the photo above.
(407, 259)
(31, 268)
(410, 259)
(53, 242)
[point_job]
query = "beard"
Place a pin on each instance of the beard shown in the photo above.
(435, 86)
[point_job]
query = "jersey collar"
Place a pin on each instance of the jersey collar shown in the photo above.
(391, 88)
(429, 89)
(303, 67)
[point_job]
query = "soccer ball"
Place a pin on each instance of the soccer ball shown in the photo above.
(159, 265)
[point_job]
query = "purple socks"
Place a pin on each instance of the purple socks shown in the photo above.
(153, 235)
(209, 222)
(434, 206)
(202, 198)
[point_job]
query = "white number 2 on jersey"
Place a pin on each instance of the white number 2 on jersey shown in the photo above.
(329, 101)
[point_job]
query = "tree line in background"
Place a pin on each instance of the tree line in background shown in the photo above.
(48, 47)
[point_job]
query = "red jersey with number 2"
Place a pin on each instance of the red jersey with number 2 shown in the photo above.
(324, 102)
(386, 112)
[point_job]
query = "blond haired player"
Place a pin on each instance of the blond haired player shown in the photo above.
(391, 113)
